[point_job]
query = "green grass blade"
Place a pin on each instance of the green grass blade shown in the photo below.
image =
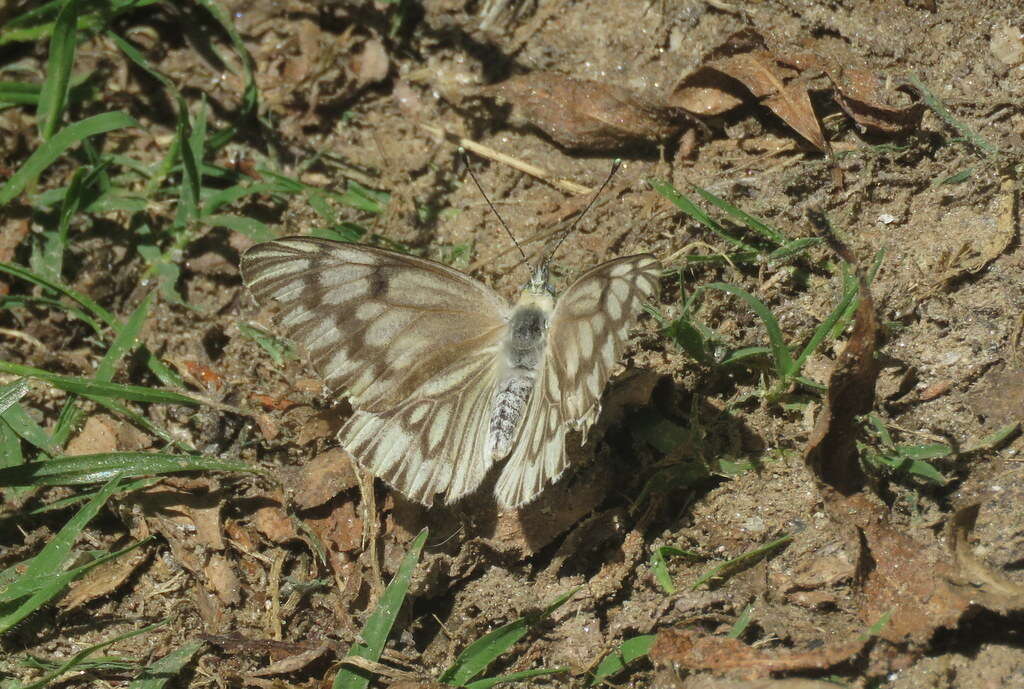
(628, 651)
(125, 341)
(139, 59)
(38, 23)
(730, 567)
(46, 587)
(25, 301)
(250, 227)
(95, 388)
(378, 624)
(278, 349)
(20, 580)
(790, 250)
(880, 430)
(742, 622)
(993, 440)
(485, 650)
(745, 353)
(225, 197)
(770, 233)
(11, 393)
(82, 655)
(250, 94)
(694, 211)
(139, 420)
(158, 673)
(123, 344)
(28, 428)
(825, 327)
(515, 677)
(785, 367)
(940, 109)
(78, 498)
(63, 140)
(47, 258)
(18, 93)
(96, 468)
(659, 565)
(10, 447)
(191, 178)
(54, 93)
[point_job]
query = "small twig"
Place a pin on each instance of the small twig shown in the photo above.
(17, 334)
(274, 581)
(499, 157)
(380, 669)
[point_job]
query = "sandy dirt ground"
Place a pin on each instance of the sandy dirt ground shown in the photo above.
(901, 123)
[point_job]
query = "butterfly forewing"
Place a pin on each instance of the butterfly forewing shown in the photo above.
(586, 336)
(374, 323)
(412, 343)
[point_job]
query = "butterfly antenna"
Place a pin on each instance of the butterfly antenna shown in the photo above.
(616, 164)
(494, 210)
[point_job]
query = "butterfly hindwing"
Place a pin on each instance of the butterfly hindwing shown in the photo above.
(587, 334)
(434, 442)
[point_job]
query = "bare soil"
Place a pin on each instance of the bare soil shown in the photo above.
(268, 567)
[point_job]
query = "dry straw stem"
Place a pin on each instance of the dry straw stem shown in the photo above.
(499, 157)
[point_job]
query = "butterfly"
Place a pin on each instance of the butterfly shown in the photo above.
(445, 376)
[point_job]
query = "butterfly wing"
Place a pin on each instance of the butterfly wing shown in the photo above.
(586, 336)
(413, 343)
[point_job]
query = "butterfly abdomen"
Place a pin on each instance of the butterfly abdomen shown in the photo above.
(523, 350)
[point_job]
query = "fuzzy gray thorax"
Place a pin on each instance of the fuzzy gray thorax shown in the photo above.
(522, 354)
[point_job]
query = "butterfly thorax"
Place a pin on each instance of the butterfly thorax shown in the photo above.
(523, 351)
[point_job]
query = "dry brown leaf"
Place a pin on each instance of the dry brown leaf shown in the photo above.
(707, 91)
(273, 403)
(859, 94)
(185, 516)
(906, 579)
(912, 583)
(744, 65)
(583, 114)
(103, 433)
(986, 587)
(341, 528)
(324, 424)
(997, 397)
(209, 607)
(936, 389)
(293, 663)
(220, 575)
(371, 64)
(102, 579)
(12, 232)
(712, 90)
(272, 521)
(686, 649)
(831, 450)
(99, 434)
(323, 477)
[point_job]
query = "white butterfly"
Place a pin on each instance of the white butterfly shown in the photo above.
(446, 377)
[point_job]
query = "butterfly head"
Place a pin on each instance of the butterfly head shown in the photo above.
(540, 281)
